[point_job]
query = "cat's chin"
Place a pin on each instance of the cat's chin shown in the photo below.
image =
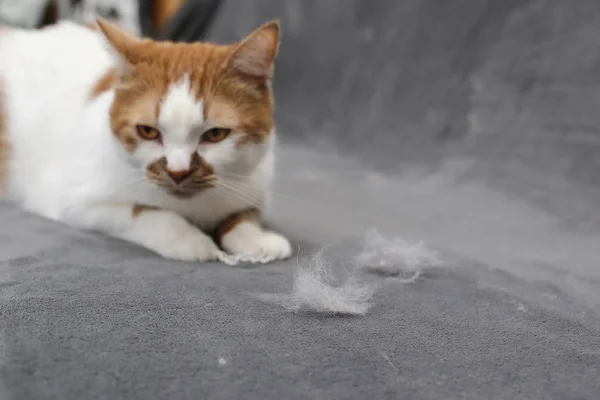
(183, 195)
(187, 194)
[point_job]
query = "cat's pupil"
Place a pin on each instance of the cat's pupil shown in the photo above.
(147, 132)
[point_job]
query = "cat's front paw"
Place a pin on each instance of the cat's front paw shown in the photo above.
(258, 246)
(191, 248)
(184, 242)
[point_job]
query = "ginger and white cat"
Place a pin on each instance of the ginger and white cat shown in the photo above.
(161, 144)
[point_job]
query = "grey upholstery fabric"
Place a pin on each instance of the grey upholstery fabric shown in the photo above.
(470, 125)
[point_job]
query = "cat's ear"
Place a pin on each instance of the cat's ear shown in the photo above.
(256, 54)
(122, 43)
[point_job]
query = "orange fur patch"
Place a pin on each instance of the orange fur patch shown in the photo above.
(139, 209)
(133, 104)
(223, 114)
(105, 82)
(229, 223)
(250, 105)
(233, 98)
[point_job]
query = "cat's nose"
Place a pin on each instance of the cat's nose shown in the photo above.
(179, 175)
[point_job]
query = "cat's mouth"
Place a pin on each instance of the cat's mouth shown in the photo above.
(189, 191)
(181, 194)
(182, 187)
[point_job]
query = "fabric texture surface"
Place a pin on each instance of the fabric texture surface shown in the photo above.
(470, 125)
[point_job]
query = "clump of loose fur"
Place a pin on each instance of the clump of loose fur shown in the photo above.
(395, 257)
(317, 290)
(314, 290)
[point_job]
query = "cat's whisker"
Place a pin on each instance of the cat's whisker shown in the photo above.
(244, 199)
(271, 190)
(233, 176)
(246, 190)
(228, 197)
(239, 188)
(215, 195)
(233, 186)
(241, 195)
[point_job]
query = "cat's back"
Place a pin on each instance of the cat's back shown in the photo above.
(60, 60)
(46, 80)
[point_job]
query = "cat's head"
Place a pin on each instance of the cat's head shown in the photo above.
(189, 114)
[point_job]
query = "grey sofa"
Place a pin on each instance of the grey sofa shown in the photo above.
(470, 125)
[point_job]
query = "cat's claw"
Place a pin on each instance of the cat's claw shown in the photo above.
(229, 259)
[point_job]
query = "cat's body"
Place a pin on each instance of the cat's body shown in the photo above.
(125, 13)
(69, 150)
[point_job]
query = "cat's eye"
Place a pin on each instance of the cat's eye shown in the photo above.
(215, 135)
(147, 132)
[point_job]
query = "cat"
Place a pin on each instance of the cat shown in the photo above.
(166, 145)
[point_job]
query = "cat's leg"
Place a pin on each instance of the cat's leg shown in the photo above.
(241, 234)
(161, 231)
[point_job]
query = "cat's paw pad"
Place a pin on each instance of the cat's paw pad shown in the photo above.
(262, 247)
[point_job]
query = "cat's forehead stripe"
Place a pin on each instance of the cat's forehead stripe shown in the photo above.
(180, 110)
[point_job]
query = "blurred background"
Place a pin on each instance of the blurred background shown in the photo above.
(153, 18)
